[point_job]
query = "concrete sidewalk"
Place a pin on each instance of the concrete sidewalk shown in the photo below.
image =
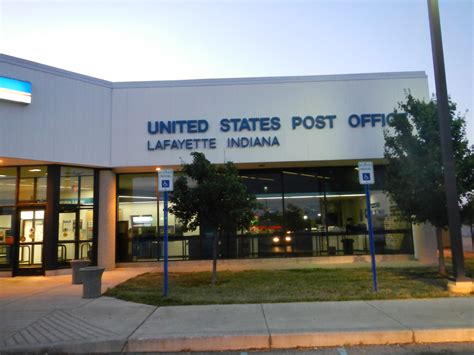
(48, 314)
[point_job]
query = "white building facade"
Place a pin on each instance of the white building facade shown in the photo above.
(78, 178)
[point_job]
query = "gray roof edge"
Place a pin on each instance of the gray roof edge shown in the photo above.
(270, 80)
(53, 70)
(209, 82)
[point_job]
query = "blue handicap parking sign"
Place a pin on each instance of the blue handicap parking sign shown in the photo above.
(366, 172)
(165, 180)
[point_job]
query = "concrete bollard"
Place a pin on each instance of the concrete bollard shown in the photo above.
(76, 274)
(92, 281)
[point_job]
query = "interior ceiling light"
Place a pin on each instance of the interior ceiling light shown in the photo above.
(35, 170)
(308, 196)
(139, 197)
(157, 169)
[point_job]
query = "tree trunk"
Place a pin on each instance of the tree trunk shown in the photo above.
(215, 247)
(441, 263)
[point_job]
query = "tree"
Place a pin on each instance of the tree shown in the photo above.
(214, 197)
(414, 178)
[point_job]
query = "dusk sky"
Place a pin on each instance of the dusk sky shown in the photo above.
(170, 40)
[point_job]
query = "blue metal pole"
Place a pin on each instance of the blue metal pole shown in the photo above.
(371, 236)
(165, 247)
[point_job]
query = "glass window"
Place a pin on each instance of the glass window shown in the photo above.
(137, 217)
(303, 202)
(175, 227)
(76, 198)
(76, 186)
(33, 184)
(86, 224)
(340, 179)
(27, 190)
(301, 211)
(7, 186)
(69, 190)
(322, 199)
(86, 232)
(87, 190)
(304, 211)
(267, 188)
(67, 226)
(137, 187)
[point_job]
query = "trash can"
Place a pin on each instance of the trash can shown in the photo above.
(76, 265)
(348, 246)
(92, 281)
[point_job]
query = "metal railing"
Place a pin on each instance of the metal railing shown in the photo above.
(243, 246)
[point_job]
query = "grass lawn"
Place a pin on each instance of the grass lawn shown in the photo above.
(301, 285)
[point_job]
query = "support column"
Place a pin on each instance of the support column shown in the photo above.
(107, 220)
(51, 218)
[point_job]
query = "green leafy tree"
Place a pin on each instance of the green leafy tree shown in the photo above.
(414, 178)
(212, 196)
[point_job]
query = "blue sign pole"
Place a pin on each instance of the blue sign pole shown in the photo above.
(165, 247)
(371, 236)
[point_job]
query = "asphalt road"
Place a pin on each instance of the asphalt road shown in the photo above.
(411, 349)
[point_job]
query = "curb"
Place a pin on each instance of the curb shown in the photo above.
(258, 341)
(443, 335)
(334, 338)
(303, 340)
(200, 343)
(101, 346)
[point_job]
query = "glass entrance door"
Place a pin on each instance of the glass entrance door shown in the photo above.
(67, 235)
(30, 241)
(75, 234)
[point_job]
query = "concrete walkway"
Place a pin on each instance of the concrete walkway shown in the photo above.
(48, 314)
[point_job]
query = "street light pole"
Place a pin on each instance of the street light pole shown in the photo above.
(446, 142)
